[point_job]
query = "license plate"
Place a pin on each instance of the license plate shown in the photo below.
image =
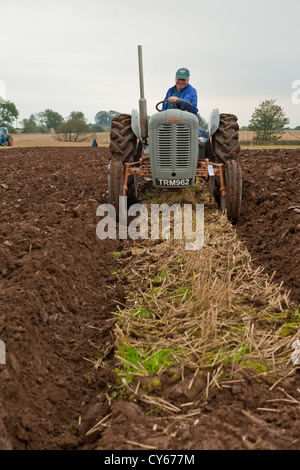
(174, 183)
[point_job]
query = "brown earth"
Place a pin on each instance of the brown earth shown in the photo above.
(58, 292)
(270, 218)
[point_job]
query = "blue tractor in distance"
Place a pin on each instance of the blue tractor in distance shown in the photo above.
(5, 137)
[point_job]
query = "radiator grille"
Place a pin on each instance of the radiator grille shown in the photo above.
(183, 147)
(173, 139)
(164, 146)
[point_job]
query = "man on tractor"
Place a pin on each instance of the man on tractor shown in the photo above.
(182, 90)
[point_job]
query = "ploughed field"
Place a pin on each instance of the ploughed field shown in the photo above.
(270, 218)
(58, 292)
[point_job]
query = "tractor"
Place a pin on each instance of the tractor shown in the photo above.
(5, 137)
(168, 152)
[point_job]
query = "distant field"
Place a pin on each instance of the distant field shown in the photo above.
(246, 136)
(290, 140)
(50, 140)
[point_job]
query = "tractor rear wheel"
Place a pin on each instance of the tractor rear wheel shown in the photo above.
(122, 139)
(231, 203)
(10, 141)
(225, 141)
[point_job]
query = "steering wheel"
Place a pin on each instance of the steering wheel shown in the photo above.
(177, 102)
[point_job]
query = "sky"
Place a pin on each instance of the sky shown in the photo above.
(69, 55)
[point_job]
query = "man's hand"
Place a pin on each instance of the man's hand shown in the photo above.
(172, 99)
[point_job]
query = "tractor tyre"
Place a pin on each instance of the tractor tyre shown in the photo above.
(231, 203)
(132, 192)
(123, 147)
(10, 141)
(225, 141)
(116, 184)
(123, 142)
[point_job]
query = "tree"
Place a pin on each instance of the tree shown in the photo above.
(104, 118)
(268, 120)
(73, 130)
(78, 116)
(31, 125)
(8, 113)
(50, 119)
(297, 128)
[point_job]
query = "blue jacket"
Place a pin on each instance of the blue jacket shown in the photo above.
(188, 94)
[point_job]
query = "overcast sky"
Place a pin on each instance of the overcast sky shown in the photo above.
(70, 55)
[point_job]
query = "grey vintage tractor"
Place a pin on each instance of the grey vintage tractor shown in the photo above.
(168, 152)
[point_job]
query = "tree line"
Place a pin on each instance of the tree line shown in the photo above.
(71, 129)
(268, 120)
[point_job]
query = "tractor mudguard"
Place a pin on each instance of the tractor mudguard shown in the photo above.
(135, 124)
(213, 121)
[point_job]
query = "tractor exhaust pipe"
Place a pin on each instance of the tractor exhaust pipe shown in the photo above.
(142, 100)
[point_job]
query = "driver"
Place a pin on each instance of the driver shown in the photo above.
(182, 90)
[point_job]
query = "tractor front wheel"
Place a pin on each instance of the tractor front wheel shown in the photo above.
(233, 181)
(116, 171)
(115, 182)
(231, 203)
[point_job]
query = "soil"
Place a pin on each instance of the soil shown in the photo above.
(57, 298)
(270, 219)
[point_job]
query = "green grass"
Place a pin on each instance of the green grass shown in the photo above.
(139, 361)
(141, 312)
